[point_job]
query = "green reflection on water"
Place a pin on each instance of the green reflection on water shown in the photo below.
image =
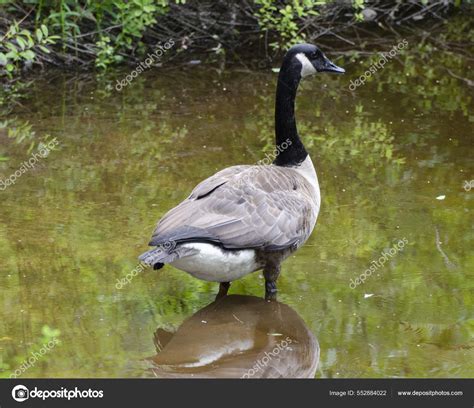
(73, 225)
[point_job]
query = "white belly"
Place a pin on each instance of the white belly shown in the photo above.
(211, 263)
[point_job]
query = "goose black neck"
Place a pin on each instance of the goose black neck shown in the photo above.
(290, 149)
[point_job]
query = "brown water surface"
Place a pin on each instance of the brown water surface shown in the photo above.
(393, 160)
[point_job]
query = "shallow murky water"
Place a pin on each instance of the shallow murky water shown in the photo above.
(393, 158)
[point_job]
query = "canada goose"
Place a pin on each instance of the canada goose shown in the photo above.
(249, 217)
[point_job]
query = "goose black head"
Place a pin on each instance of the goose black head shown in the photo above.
(310, 59)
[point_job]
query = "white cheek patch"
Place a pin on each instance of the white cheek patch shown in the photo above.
(306, 66)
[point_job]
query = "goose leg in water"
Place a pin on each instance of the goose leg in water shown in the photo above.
(271, 273)
(223, 289)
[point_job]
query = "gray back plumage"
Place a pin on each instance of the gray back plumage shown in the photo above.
(266, 207)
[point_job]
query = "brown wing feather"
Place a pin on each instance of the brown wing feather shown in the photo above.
(244, 207)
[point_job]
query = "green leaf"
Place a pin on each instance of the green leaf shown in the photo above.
(21, 42)
(10, 67)
(44, 49)
(44, 29)
(31, 43)
(39, 35)
(28, 55)
(12, 47)
(3, 59)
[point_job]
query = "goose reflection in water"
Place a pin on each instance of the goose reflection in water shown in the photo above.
(238, 337)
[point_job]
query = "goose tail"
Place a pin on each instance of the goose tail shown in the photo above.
(157, 257)
(161, 255)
